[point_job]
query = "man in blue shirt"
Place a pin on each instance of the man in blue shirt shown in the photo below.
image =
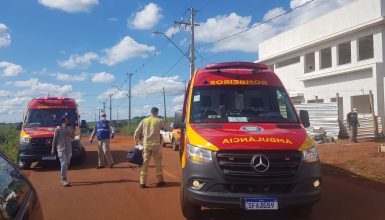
(102, 131)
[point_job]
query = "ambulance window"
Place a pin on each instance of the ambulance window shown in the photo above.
(241, 104)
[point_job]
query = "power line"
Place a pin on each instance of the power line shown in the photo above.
(264, 22)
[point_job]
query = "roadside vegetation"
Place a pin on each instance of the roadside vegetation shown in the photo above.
(9, 140)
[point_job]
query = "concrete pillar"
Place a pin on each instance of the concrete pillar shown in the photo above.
(317, 60)
(302, 64)
(334, 57)
(354, 50)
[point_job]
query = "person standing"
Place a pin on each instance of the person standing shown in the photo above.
(149, 128)
(62, 144)
(352, 119)
(102, 131)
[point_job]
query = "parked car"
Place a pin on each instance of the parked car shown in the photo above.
(18, 198)
(172, 138)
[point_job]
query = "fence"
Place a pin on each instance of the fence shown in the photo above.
(325, 115)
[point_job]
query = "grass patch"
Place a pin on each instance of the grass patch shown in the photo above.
(9, 137)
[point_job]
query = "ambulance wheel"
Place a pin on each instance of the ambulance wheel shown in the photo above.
(189, 209)
(175, 146)
(162, 143)
(24, 165)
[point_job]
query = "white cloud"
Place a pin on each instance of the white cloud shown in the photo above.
(113, 19)
(147, 18)
(172, 31)
(4, 93)
(17, 100)
(103, 77)
(5, 37)
(218, 27)
(178, 99)
(149, 87)
(35, 87)
(71, 6)
(275, 14)
(154, 84)
(9, 69)
(117, 94)
(76, 61)
(126, 49)
(68, 77)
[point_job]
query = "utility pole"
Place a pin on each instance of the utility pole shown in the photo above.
(192, 44)
(164, 103)
(185, 86)
(110, 107)
(99, 113)
(129, 98)
(117, 115)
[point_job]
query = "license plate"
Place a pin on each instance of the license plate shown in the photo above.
(261, 204)
(49, 158)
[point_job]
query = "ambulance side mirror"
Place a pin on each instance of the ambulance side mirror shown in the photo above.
(304, 116)
(179, 120)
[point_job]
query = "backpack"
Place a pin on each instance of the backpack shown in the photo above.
(135, 156)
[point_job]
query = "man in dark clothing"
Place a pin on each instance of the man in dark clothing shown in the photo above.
(102, 131)
(352, 119)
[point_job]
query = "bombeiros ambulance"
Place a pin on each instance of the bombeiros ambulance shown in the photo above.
(243, 144)
(43, 115)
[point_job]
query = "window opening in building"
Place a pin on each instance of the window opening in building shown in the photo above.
(287, 62)
(326, 58)
(365, 48)
(344, 53)
(309, 62)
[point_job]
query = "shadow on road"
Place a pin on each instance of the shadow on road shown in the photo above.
(231, 214)
(328, 169)
(90, 162)
(102, 182)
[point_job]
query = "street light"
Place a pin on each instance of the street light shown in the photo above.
(158, 32)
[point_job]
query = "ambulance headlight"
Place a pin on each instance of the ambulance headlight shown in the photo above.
(25, 140)
(310, 155)
(198, 154)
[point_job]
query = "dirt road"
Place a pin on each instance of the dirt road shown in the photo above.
(115, 193)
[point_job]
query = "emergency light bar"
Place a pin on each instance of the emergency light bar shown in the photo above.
(236, 65)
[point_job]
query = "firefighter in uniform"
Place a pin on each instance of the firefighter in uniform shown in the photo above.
(352, 119)
(102, 132)
(149, 128)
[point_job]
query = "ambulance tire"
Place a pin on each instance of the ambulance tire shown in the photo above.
(162, 143)
(189, 210)
(24, 165)
(175, 146)
(81, 159)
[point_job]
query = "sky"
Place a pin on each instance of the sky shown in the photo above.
(85, 49)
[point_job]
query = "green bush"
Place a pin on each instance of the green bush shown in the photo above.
(9, 137)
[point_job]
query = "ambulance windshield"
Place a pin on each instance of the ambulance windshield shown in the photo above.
(49, 117)
(241, 104)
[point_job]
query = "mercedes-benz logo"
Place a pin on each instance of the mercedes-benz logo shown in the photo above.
(48, 141)
(260, 163)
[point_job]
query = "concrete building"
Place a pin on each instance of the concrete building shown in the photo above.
(342, 52)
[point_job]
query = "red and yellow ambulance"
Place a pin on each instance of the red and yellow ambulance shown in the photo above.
(43, 115)
(243, 144)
